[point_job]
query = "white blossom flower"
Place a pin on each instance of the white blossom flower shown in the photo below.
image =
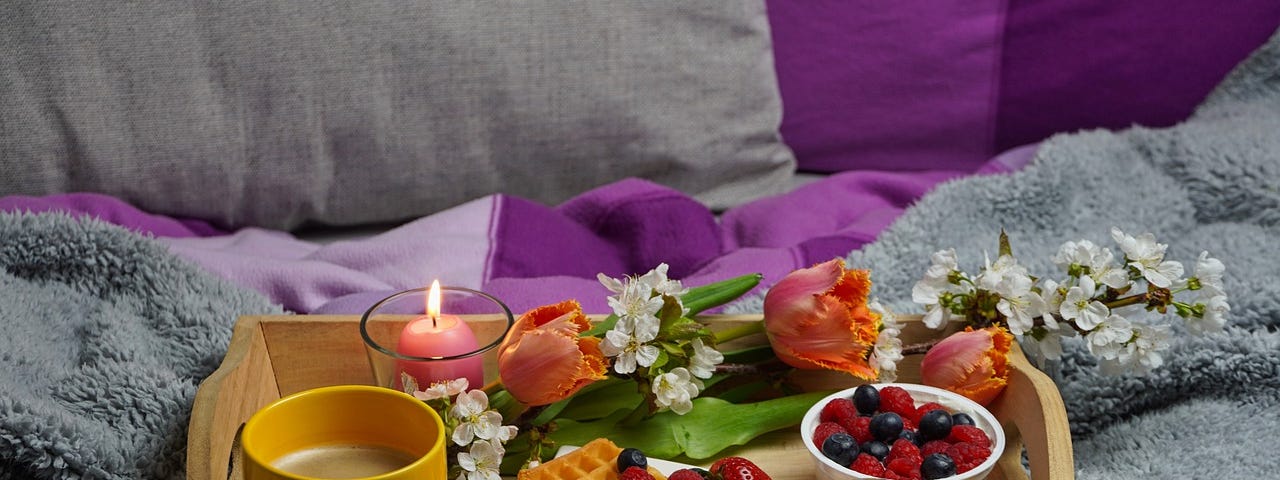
(1109, 337)
(1215, 316)
(1209, 273)
(636, 302)
(505, 433)
(935, 284)
(1001, 274)
(1141, 354)
(614, 285)
(1099, 262)
(481, 462)
(704, 360)
(1147, 257)
(628, 341)
(657, 280)
(1047, 347)
(1079, 305)
(675, 390)
(475, 420)
(442, 389)
(1019, 304)
(888, 348)
(1052, 294)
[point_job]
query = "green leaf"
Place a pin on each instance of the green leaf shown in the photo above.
(701, 298)
(742, 392)
(711, 427)
(615, 395)
(604, 326)
(670, 314)
(656, 368)
(754, 354)
(548, 414)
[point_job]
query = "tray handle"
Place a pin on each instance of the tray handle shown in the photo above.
(1034, 417)
(243, 384)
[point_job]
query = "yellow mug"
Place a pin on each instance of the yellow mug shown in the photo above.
(346, 431)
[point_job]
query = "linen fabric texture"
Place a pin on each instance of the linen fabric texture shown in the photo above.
(279, 114)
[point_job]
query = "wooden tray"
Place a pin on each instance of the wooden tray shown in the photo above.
(273, 356)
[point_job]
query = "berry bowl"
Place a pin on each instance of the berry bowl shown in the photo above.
(867, 427)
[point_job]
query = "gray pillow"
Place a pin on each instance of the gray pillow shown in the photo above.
(282, 113)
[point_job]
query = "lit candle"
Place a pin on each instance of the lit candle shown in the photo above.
(439, 335)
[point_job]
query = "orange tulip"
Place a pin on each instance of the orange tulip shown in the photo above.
(817, 318)
(542, 360)
(973, 363)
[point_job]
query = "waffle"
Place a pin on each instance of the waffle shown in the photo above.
(597, 460)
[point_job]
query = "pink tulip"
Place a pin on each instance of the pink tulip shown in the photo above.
(817, 318)
(973, 363)
(542, 360)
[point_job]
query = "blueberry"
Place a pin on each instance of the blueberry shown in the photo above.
(701, 473)
(886, 426)
(867, 399)
(937, 465)
(840, 448)
(912, 437)
(935, 424)
(961, 419)
(632, 457)
(876, 449)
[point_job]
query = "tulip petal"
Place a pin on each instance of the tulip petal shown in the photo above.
(973, 363)
(543, 360)
(818, 318)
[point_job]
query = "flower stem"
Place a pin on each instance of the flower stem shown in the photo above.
(740, 331)
(762, 368)
(1126, 301)
(920, 348)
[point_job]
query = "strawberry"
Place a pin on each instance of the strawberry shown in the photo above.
(635, 473)
(738, 468)
(685, 474)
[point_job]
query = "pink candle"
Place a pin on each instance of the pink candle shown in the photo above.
(439, 335)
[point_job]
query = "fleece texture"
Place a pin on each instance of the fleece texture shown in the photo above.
(1211, 183)
(106, 337)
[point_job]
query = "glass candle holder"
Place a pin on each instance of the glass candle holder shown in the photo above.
(404, 339)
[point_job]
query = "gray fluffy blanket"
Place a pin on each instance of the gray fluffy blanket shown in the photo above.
(1211, 183)
(106, 336)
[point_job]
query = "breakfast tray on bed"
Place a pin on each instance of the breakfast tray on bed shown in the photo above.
(273, 356)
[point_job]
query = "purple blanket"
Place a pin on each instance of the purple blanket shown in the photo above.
(529, 254)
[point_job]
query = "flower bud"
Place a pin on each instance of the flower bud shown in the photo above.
(973, 363)
(542, 360)
(818, 318)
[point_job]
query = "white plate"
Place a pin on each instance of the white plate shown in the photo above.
(664, 466)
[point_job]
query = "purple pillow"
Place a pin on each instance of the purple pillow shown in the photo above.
(945, 85)
(1069, 65)
(868, 84)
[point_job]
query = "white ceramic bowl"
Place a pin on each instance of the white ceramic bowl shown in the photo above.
(830, 470)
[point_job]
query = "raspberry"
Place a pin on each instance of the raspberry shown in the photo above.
(635, 473)
(934, 446)
(859, 428)
(969, 434)
(967, 456)
(909, 425)
(824, 430)
(837, 410)
(685, 474)
(866, 464)
(896, 400)
(926, 408)
(903, 448)
(906, 466)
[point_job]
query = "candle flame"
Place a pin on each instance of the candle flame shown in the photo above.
(433, 301)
